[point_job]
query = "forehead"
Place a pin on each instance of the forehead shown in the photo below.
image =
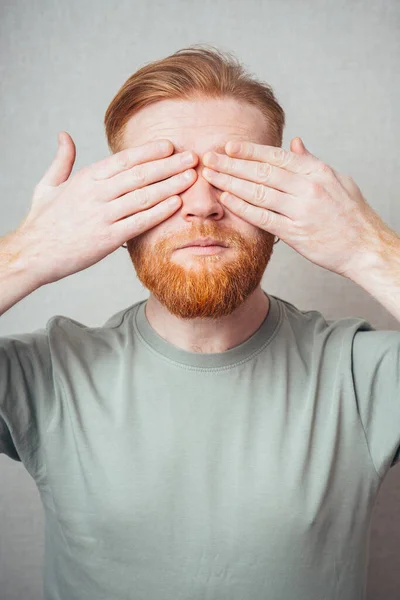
(199, 125)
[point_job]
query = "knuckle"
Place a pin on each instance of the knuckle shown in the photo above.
(111, 213)
(280, 155)
(263, 171)
(230, 164)
(350, 181)
(316, 189)
(350, 185)
(141, 221)
(139, 174)
(141, 196)
(265, 219)
(122, 159)
(324, 168)
(244, 208)
(260, 193)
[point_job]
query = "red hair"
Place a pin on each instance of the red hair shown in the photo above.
(199, 71)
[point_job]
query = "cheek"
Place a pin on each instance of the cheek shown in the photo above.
(163, 233)
(243, 227)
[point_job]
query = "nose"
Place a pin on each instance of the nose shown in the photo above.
(201, 200)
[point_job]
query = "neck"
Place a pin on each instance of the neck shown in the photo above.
(209, 335)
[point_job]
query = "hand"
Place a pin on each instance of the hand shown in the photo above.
(314, 209)
(76, 221)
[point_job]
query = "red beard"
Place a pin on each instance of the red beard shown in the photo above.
(211, 286)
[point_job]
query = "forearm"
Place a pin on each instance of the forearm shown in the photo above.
(17, 277)
(379, 274)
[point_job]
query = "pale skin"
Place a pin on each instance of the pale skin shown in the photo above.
(76, 220)
(294, 195)
(199, 127)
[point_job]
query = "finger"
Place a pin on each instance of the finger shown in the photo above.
(297, 146)
(61, 167)
(278, 157)
(128, 158)
(144, 174)
(264, 219)
(259, 172)
(150, 195)
(255, 193)
(128, 228)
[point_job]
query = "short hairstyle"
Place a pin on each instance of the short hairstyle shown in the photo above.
(197, 72)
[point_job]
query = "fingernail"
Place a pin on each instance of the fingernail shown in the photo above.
(234, 147)
(188, 174)
(187, 159)
(210, 159)
(164, 145)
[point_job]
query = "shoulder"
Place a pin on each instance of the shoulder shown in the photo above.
(313, 327)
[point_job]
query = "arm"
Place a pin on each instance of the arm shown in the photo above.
(17, 275)
(380, 276)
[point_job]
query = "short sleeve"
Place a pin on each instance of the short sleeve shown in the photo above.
(376, 377)
(25, 381)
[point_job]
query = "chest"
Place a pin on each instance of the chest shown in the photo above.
(246, 464)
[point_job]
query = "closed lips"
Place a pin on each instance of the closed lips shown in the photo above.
(207, 242)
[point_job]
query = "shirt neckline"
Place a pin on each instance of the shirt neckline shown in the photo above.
(216, 360)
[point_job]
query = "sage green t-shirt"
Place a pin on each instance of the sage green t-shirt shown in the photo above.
(249, 474)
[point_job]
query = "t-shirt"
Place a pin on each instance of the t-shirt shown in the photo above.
(174, 475)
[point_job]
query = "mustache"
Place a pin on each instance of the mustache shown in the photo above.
(222, 235)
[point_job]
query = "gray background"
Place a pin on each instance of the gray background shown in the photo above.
(334, 67)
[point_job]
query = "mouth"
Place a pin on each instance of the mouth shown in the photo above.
(203, 243)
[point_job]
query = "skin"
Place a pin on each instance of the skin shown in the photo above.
(245, 197)
(201, 126)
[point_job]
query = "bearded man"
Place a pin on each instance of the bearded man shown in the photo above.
(213, 441)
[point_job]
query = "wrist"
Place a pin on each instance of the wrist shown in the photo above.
(17, 261)
(381, 255)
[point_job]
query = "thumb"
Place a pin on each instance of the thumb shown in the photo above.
(296, 145)
(61, 167)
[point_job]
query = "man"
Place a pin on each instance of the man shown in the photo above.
(213, 441)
